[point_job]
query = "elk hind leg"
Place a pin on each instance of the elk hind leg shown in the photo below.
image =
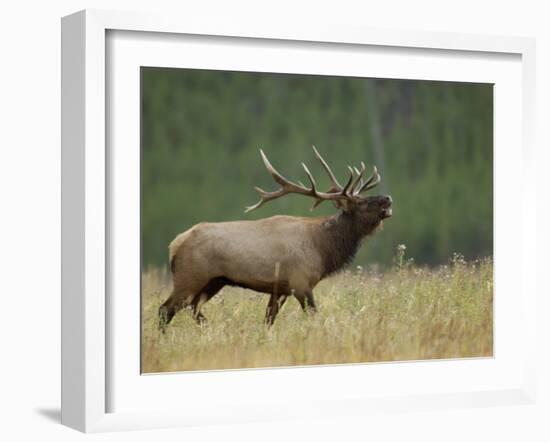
(207, 293)
(198, 302)
(179, 299)
(175, 302)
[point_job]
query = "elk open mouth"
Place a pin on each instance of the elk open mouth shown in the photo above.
(386, 210)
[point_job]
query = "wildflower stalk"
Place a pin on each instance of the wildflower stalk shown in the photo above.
(400, 255)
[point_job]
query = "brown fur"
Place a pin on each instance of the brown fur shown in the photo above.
(281, 256)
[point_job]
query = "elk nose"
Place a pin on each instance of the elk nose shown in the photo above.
(387, 199)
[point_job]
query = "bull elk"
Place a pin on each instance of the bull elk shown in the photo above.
(283, 255)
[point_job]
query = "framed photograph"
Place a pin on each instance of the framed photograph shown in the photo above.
(274, 222)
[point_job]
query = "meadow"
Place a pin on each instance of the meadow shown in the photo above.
(407, 312)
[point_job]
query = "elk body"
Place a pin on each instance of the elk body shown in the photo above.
(283, 255)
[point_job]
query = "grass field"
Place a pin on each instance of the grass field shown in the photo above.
(406, 313)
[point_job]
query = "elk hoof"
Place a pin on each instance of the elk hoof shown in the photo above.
(201, 319)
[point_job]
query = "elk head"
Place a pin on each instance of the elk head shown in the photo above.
(367, 212)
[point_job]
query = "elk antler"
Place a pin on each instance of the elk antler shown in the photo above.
(335, 183)
(373, 181)
(352, 189)
(358, 185)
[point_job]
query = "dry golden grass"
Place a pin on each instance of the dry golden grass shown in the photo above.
(407, 314)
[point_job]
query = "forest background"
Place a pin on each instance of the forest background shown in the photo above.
(431, 141)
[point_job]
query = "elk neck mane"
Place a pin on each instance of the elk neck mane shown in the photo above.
(339, 237)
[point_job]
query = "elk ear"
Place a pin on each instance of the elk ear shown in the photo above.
(341, 204)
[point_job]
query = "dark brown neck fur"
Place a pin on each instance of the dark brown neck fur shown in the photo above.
(339, 239)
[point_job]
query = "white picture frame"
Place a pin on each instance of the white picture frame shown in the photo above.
(87, 356)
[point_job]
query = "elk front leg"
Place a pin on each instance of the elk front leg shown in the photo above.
(310, 302)
(306, 300)
(273, 306)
